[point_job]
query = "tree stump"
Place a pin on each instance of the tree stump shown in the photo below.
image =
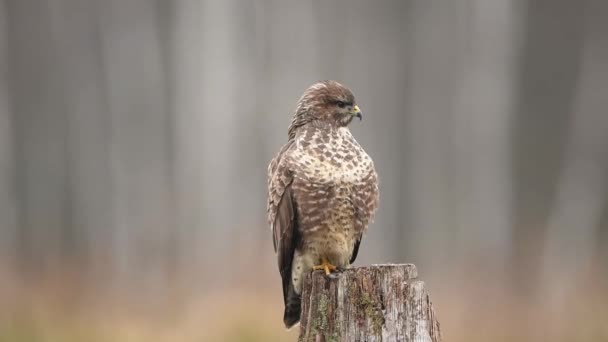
(376, 303)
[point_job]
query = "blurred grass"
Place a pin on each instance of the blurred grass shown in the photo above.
(44, 311)
(243, 324)
(58, 311)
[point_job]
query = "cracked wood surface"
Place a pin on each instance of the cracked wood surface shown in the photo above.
(375, 303)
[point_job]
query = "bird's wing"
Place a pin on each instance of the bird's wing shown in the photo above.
(282, 214)
(366, 197)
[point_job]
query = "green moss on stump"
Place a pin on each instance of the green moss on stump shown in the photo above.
(372, 312)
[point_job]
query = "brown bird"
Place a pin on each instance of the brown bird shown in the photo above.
(322, 191)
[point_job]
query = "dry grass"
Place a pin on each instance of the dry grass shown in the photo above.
(62, 309)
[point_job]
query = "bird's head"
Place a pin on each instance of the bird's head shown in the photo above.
(329, 101)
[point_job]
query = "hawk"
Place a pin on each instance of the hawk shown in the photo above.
(322, 191)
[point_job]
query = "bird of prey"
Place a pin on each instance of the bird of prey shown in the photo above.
(322, 191)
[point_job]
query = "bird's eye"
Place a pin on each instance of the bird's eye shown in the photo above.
(341, 104)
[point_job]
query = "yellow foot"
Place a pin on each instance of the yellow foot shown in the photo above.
(325, 265)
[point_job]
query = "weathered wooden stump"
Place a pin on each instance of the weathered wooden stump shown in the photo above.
(376, 303)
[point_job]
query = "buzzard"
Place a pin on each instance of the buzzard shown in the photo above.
(322, 191)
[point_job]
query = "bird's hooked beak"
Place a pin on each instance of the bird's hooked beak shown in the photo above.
(357, 112)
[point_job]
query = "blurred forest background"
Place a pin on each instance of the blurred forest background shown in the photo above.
(135, 135)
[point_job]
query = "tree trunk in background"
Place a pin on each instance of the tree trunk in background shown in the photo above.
(479, 144)
(140, 140)
(8, 199)
(436, 41)
(40, 123)
(542, 113)
(74, 26)
(205, 107)
(576, 215)
(456, 134)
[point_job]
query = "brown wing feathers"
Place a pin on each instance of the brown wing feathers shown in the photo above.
(282, 216)
(286, 237)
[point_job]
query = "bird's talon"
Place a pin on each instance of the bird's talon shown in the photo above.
(325, 266)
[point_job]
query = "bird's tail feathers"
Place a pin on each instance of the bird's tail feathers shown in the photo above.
(293, 308)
